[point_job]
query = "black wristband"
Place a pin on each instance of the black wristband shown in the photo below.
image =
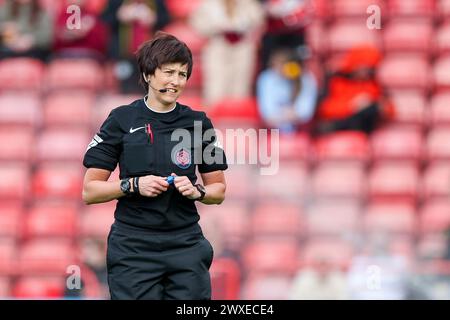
(136, 185)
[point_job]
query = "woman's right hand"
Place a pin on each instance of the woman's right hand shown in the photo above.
(152, 186)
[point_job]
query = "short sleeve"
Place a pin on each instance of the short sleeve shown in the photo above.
(213, 155)
(105, 148)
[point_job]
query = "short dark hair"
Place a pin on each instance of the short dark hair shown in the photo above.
(163, 48)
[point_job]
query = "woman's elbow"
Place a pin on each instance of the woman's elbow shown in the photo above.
(221, 198)
(87, 198)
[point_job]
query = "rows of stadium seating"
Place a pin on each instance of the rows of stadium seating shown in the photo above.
(326, 195)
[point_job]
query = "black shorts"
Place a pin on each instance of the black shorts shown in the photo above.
(159, 265)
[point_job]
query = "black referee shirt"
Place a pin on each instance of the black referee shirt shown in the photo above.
(139, 139)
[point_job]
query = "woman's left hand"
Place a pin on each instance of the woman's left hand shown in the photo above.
(185, 187)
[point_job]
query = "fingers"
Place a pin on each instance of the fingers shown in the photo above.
(152, 186)
(184, 186)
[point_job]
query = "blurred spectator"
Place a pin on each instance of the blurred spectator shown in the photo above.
(320, 282)
(89, 40)
(353, 98)
(131, 23)
(377, 273)
(285, 24)
(447, 237)
(231, 27)
(287, 91)
(94, 280)
(25, 29)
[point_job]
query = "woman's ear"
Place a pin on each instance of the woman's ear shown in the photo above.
(145, 77)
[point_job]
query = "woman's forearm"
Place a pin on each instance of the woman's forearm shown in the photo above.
(101, 191)
(215, 193)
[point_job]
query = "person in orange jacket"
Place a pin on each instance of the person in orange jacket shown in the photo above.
(354, 99)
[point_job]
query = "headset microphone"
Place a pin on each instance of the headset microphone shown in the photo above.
(160, 90)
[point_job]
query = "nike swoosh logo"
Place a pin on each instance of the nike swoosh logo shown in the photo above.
(134, 130)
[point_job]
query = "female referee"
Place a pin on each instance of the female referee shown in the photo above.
(156, 248)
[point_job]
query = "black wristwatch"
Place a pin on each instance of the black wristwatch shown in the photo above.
(202, 191)
(125, 186)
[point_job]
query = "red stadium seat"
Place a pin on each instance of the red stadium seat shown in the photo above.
(10, 220)
(185, 32)
(443, 9)
(405, 71)
(107, 102)
(62, 145)
(21, 74)
(442, 39)
(225, 279)
(195, 81)
(56, 220)
(267, 287)
(8, 252)
(46, 256)
(395, 218)
(437, 144)
(397, 143)
(15, 144)
(181, 9)
(394, 181)
(14, 184)
(289, 183)
(58, 181)
(321, 9)
(32, 287)
(233, 217)
(434, 217)
(5, 287)
(333, 218)
(408, 35)
(74, 74)
(436, 181)
(294, 147)
(239, 181)
(271, 255)
(439, 111)
(68, 109)
(353, 8)
(344, 35)
(411, 8)
(232, 108)
(19, 110)
(338, 252)
(96, 221)
(350, 145)
(276, 219)
(410, 107)
(315, 34)
(193, 101)
(344, 180)
(441, 75)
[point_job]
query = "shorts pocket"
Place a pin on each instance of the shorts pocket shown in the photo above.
(209, 252)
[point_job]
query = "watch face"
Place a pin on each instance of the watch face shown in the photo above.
(125, 186)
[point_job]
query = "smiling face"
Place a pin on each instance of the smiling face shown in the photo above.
(170, 76)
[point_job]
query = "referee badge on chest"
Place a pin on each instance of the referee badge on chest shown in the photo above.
(182, 158)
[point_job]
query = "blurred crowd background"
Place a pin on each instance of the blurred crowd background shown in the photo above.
(360, 205)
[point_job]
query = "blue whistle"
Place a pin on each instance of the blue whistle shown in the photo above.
(170, 179)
